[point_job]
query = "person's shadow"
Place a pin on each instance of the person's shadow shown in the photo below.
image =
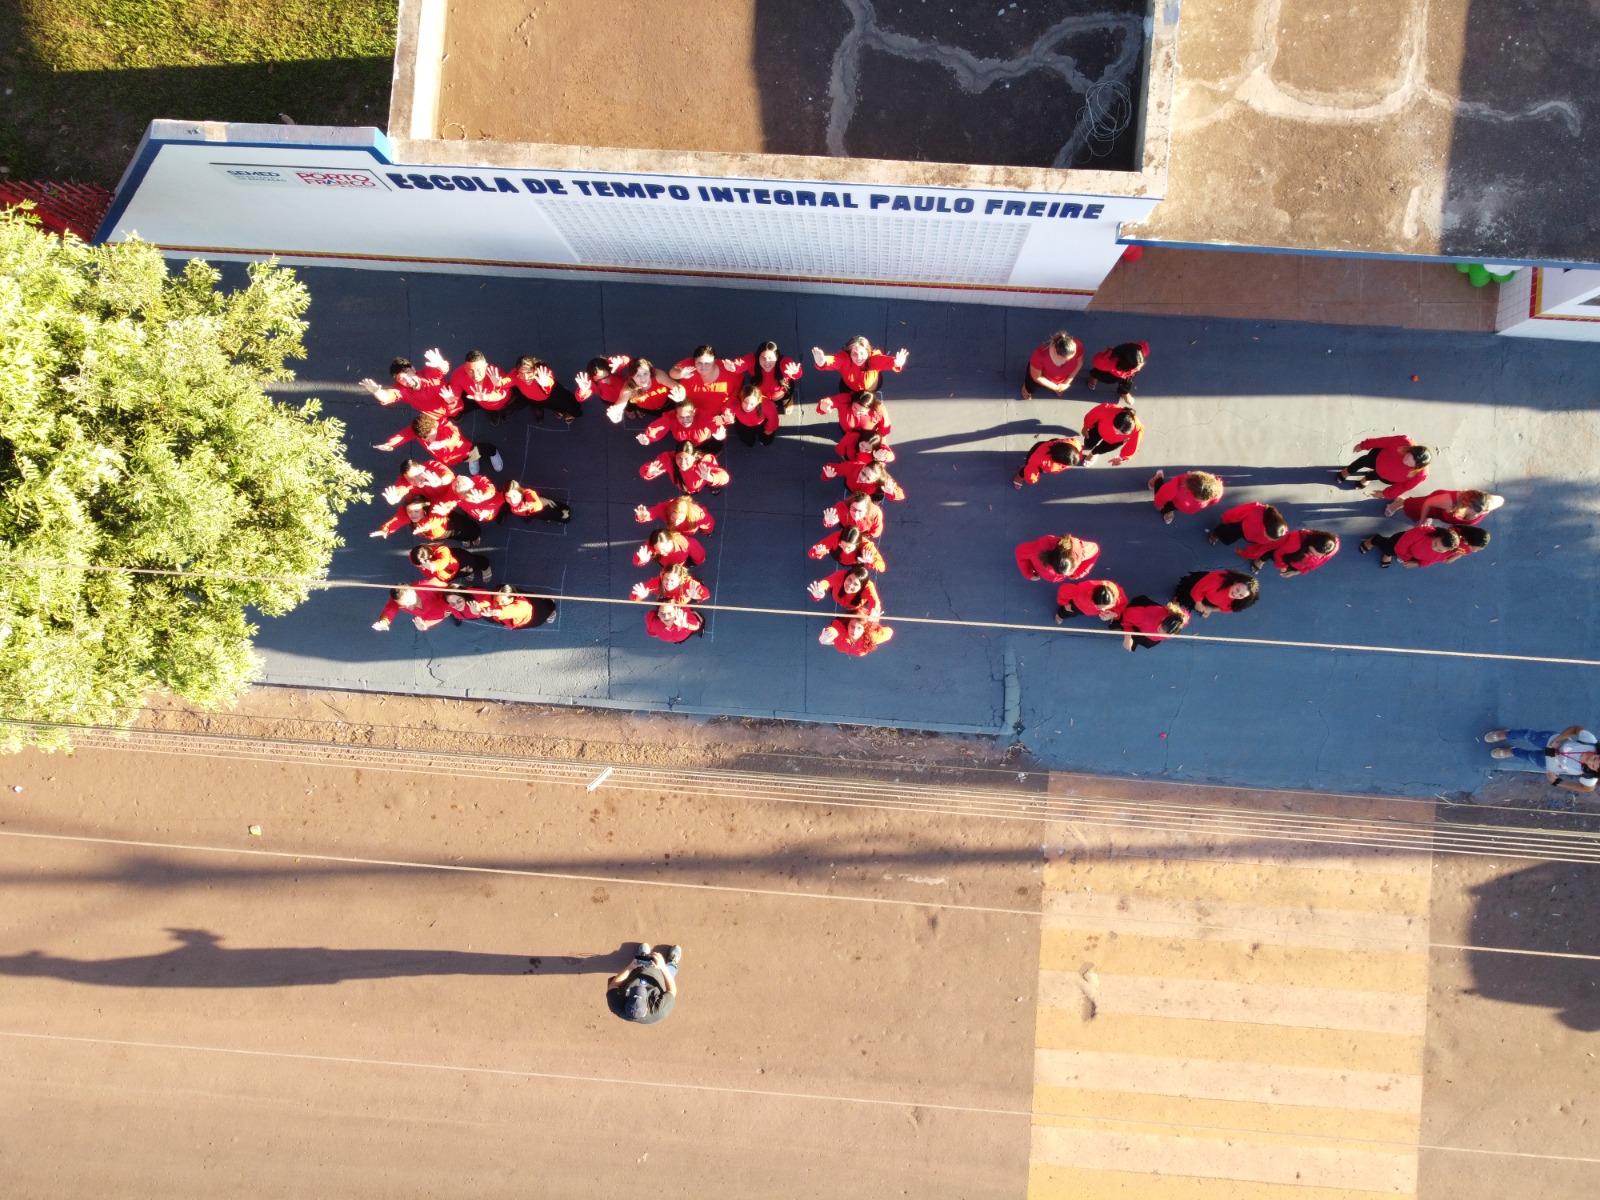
(200, 960)
(1545, 911)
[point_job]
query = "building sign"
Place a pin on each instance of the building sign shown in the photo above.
(247, 190)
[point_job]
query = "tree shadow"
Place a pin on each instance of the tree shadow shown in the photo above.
(1546, 909)
(200, 960)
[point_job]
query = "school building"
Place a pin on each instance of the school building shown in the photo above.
(994, 152)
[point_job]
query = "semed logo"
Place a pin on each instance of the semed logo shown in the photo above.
(255, 175)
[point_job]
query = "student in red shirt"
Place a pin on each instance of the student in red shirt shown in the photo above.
(1206, 592)
(486, 386)
(868, 446)
(1118, 365)
(1187, 493)
(687, 470)
(852, 589)
(865, 414)
(445, 442)
(859, 365)
(432, 480)
(459, 602)
(772, 373)
(1056, 559)
(425, 391)
(1299, 552)
(423, 600)
(442, 564)
(1053, 365)
(1260, 525)
(755, 418)
(680, 515)
(673, 623)
(505, 608)
(711, 383)
(1146, 622)
(604, 377)
(1447, 508)
(1420, 546)
(526, 503)
(849, 546)
(1396, 461)
(1111, 427)
(683, 424)
(855, 636)
(535, 384)
(1473, 539)
(1091, 597)
(674, 584)
(670, 549)
(477, 496)
(432, 522)
(867, 478)
(857, 511)
(1049, 458)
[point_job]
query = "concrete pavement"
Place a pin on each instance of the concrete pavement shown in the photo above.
(1270, 408)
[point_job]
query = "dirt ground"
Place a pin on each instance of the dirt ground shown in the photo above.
(397, 986)
(1513, 1056)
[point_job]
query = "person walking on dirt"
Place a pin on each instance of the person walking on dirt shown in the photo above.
(647, 988)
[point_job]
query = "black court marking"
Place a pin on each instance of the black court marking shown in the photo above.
(543, 528)
(552, 422)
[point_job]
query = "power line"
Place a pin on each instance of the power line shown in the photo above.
(1070, 631)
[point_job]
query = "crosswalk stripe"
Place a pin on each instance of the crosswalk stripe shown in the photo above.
(1138, 1112)
(1219, 1021)
(1258, 1083)
(1257, 1004)
(1305, 1165)
(1238, 961)
(1052, 1182)
(1228, 1041)
(1228, 922)
(1347, 890)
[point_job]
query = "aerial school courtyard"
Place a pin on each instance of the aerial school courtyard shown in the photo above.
(1350, 679)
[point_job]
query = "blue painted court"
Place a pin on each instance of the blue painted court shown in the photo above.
(1270, 408)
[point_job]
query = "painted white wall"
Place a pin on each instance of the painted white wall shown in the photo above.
(300, 192)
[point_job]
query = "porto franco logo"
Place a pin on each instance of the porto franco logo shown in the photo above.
(339, 179)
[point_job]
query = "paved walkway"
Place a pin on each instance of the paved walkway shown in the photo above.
(1268, 407)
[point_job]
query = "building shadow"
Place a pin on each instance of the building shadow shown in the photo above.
(200, 960)
(1048, 83)
(1538, 914)
(1520, 182)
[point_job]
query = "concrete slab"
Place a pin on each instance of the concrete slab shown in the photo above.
(1271, 408)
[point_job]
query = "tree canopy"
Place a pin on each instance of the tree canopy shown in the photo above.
(136, 434)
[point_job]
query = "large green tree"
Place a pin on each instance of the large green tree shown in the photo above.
(136, 435)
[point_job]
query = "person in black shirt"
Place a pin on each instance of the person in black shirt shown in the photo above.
(646, 989)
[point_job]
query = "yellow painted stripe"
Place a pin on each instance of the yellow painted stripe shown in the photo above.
(1176, 957)
(1213, 920)
(1223, 1118)
(1252, 1083)
(1047, 1181)
(1239, 1158)
(1256, 1004)
(1243, 883)
(1228, 1041)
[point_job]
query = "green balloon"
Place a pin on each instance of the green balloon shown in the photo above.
(1463, 267)
(1478, 275)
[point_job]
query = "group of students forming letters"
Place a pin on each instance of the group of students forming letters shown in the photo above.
(692, 408)
(1444, 524)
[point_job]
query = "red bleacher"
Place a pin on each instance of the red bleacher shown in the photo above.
(76, 208)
